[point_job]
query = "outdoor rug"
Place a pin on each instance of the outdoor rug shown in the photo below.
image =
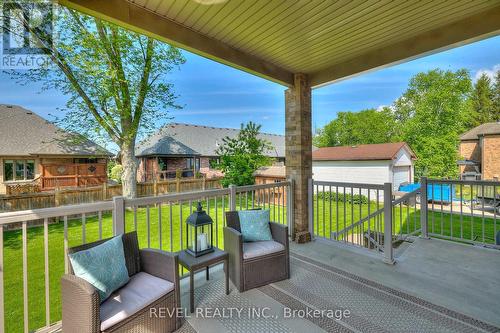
(313, 285)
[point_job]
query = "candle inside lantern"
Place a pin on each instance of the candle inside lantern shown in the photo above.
(202, 242)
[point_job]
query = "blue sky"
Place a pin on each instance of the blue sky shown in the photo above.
(217, 95)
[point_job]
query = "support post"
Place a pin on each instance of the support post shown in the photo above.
(105, 190)
(424, 208)
(388, 253)
(57, 197)
(177, 185)
(232, 197)
(155, 187)
(118, 216)
(298, 139)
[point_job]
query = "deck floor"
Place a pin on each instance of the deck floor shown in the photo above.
(436, 286)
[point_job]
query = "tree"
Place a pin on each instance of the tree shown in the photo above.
(241, 156)
(353, 128)
(482, 102)
(496, 96)
(431, 114)
(116, 80)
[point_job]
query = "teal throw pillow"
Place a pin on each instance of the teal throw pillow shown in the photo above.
(254, 225)
(103, 266)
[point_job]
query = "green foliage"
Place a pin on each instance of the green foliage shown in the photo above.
(353, 128)
(340, 197)
(241, 156)
(482, 102)
(178, 173)
(431, 114)
(116, 173)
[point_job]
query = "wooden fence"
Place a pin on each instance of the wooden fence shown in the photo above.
(101, 193)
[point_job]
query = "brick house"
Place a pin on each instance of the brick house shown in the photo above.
(480, 150)
(36, 155)
(188, 149)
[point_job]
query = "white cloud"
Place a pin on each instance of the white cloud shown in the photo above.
(490, 72)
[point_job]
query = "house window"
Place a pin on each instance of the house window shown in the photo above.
(16, 170)
(190, 161)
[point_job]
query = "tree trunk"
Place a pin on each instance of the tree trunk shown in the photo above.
(129, 176)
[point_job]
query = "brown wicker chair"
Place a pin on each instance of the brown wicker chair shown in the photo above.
(81, 308)
(249, 270)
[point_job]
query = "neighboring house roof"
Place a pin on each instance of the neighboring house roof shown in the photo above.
(383, 151)
(483, 129)
(186, 139)
(24, 133)
(278, 171)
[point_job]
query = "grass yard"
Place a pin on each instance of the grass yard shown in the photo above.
(335, 217)
(13, 275)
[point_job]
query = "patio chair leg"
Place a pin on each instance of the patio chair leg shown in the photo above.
(208, 274)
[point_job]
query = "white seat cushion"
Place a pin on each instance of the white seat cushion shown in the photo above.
(258, 249)
(141, 290)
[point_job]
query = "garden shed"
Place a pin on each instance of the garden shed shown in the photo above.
(368, 164)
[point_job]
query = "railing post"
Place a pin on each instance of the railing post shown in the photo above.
(388, 253)
(118, 216)
(289, 207)
(232, 197)
(310, 206)
(424, 207)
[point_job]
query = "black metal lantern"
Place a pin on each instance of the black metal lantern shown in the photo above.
(199, 233)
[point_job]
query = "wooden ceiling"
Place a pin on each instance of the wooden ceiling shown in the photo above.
(328, 40)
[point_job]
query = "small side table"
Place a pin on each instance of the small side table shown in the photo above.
(193, 264)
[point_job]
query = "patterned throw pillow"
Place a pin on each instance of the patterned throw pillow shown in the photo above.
(254, 225)
(103, 266)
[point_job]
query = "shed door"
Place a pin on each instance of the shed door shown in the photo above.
(401, 174)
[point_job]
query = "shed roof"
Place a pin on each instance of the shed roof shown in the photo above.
(382, 151)
(278, 171)
(187, 139)
(483, 129)
(24, 133)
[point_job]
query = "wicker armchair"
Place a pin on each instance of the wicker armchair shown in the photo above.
(154, 273)
(256, 264)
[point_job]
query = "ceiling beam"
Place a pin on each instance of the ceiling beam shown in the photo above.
(135, 18)
(468, 30)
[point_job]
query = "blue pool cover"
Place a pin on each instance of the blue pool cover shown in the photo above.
(435, 192)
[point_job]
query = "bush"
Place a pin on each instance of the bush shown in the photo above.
(116, 173)
(334, 196)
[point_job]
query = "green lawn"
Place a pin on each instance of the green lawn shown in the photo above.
(333, 217)
(403, 220)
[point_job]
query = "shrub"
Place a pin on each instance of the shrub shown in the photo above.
(116, 173)
(349, 198)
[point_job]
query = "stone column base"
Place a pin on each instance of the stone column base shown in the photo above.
(302, 237)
